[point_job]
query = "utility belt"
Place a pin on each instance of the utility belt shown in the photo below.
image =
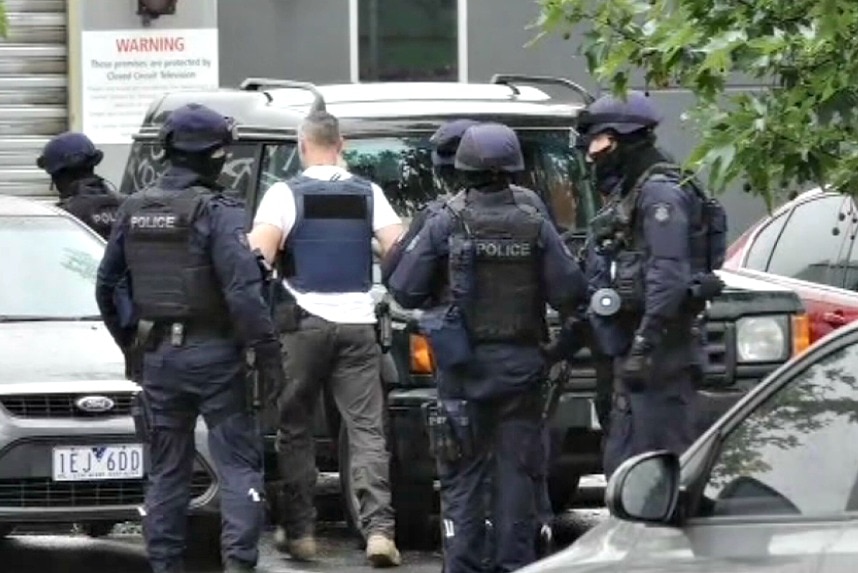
(150, 334)
(454, 425)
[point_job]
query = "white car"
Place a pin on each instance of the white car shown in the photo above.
(68, 453)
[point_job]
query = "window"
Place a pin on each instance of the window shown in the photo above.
(49, 268)
(408, 40)
(809, 248)
(761, 248)
(402, 167)
(788, 456)
(146, 163)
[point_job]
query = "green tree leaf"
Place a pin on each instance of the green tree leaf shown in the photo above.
(798, 129)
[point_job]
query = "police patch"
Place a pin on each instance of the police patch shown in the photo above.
(661, 212)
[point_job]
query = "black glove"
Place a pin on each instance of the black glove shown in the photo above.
(707, 287)
(636, 368)
(269, 368)
(569, 341)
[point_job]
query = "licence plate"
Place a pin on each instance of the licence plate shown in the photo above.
(86, 463)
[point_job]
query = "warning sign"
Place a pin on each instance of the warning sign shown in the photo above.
(124, 71)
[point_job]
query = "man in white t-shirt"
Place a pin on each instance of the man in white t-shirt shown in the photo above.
(319, 226)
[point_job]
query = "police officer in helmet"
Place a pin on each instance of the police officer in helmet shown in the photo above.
(198, 291)
(444, 143)
(652, 251)
(500, 262)
(70, 159)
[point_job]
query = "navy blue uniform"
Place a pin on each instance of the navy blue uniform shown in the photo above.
(502, 383)
(204, 375)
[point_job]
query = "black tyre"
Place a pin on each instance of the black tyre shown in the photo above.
(414, 503)
(562, 490)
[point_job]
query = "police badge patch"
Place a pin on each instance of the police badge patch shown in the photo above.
(661, 212)
(413, 243)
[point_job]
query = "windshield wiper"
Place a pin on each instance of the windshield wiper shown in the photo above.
(26, 318)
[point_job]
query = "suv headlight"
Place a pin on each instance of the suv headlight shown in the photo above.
(762, 339)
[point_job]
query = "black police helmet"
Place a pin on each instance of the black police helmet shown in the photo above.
(69, 150)
(446, 140)
(195, 128)
(610, 113)
(489, 147)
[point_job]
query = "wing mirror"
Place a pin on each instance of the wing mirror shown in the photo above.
(645, 488)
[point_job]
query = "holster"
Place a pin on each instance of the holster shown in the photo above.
(141, 413)
(383, 326)
(451, 430)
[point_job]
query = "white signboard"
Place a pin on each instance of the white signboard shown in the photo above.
(124, 71)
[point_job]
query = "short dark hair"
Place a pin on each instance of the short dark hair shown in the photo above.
(320, 128)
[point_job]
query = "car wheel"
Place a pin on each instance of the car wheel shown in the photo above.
(203, 539)
(97, 528)
(562, 490)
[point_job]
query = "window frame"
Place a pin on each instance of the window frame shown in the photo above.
(837, 271)
(698, 461)
(461, 40)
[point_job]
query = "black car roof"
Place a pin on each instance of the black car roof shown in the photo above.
(270, 108)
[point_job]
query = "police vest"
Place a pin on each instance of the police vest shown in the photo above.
(507, 303)
(171, 281)
(330, 246)
(95, 205)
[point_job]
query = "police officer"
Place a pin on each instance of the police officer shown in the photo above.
(320, 226)
(500, 262)
(444, 143)
(70, 159)
(199, 287)
(651, 252)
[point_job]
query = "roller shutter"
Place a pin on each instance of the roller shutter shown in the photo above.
(33, 93)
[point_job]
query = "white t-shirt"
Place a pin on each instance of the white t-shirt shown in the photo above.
(278, 208)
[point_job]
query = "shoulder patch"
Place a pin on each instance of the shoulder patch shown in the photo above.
(662, 212)
(413, 243)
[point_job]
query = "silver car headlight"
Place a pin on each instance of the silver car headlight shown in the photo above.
(762, 339)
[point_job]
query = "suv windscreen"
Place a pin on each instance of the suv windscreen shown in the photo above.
(402, 167)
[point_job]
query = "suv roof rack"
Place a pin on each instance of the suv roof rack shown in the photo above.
(508, 79)
(256, 84)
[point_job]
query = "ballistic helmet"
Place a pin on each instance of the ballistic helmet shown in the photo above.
(69, 150)
(489, 147)
(195, 128)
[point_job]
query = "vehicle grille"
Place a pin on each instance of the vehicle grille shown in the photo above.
(43, 492)
(63, 405)
(720, 363)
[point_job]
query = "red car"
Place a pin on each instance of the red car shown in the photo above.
(807, 245)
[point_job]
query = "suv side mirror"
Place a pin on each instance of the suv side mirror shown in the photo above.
(645, 488)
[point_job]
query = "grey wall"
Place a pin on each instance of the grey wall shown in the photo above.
(122, 15)
(296, 39)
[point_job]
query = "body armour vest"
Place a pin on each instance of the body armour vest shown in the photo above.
(95, 205)
(330, 246)
(171, 280)
(506, 304)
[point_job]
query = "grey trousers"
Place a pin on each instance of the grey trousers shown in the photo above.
(346, 358)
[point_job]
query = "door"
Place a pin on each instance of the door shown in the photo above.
(806, 250)
(774, 492)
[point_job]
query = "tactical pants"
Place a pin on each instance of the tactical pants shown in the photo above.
(509, 453)
(661, 417)
(347, 359)
(202, 377)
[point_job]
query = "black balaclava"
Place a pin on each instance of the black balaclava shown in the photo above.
(207, 164)
(633, 155)
(68, 180)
